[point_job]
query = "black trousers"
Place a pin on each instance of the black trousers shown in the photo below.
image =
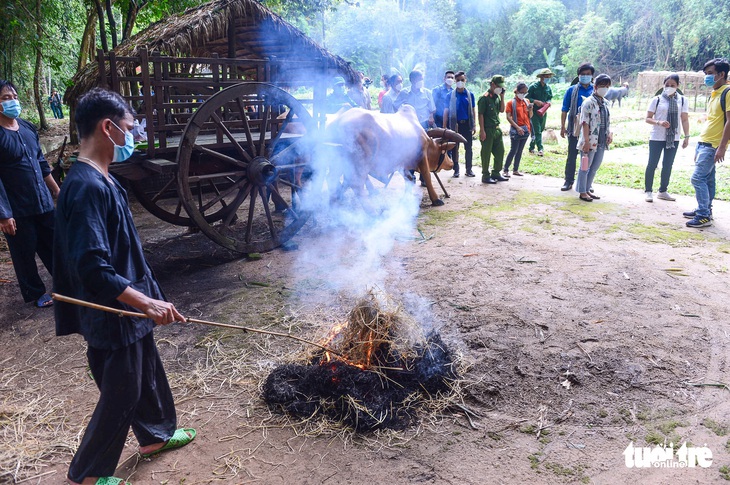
(571, 160)
(463, 129)
(655, 152)
(33, 235)
(517, 145)
(134, 391)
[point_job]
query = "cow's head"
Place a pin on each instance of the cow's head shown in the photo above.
(441, 142)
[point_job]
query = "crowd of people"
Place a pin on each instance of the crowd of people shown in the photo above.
(585, 121)
(89, 243)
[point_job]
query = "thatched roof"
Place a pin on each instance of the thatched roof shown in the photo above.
(203, 30)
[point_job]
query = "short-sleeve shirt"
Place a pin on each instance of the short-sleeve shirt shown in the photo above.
(97, 254)
(23, 192)
(523, 118)
(488, 107)
(712, 133)
(583, 94)
(421, 100)
(659, 105)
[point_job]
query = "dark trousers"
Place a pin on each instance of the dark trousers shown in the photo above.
(655, 152)
(465, 131)
(57, 111)
(33, 235)
(515, 152)
(571, 160)
(134, 391)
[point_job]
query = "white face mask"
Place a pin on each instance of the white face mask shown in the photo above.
(601, 92)
(418, 85)
(521, 95)
(497, 91)
(461, 84)
(398, 87)
(449, 81)
(669, 90)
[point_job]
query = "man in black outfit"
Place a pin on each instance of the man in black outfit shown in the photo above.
(27, 190)
(99, 258)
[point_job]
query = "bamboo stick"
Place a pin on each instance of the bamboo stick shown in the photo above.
(125, 313)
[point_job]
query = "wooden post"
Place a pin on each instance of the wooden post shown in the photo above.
(147, 100)
(157, 66)
(113, 72)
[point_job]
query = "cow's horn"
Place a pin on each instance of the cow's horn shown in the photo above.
(449, 135)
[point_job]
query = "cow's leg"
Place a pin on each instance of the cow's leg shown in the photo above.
(423, 169)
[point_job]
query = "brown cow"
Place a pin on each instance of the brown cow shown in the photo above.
(380, 144)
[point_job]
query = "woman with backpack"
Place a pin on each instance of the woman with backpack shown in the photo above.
(666, 112)
(519, 112)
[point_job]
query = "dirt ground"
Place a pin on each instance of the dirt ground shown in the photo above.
(583, 327)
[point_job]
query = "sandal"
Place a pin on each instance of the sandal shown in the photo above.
(44, 301)
(111, 481)
(178, 440)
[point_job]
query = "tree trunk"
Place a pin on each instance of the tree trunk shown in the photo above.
(39, 67)
(132, 12)
(102, 27)
(112, 23)
(88, 39)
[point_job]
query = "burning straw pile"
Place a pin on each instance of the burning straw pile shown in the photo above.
(380, 370)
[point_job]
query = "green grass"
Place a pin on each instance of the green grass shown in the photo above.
(665, 233)
(715, 427)
(631, 130)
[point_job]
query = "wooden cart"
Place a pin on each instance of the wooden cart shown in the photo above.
(227, 143)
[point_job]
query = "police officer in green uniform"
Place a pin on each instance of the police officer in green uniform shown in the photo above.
(539, 93)
(489, 106)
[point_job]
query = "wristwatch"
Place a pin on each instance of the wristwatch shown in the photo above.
(686, 137)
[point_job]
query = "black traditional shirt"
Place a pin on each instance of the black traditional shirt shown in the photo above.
(97, 255)
(22, 170)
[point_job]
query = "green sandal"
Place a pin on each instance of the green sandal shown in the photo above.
(111, 481)
(178, 440)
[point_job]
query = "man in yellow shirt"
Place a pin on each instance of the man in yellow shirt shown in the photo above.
(713, 142)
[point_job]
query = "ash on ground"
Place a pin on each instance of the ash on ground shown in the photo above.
(380, 376)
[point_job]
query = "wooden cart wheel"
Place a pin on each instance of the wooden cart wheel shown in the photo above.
(244, 155)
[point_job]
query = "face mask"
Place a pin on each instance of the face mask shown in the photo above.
(710, 80)
(497, 91)
(461, 84)
(521, 95)
(398, 87)
(669, 91)
(11, 108)
(601, 92)
(123, 152)
(418, 85)
(585, 79)
(449, 81)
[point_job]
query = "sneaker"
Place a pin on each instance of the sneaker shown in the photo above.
(699, 221)
(456, 175)
(692, 214)
(649, 197)
(540, 153)
(665, 196)
(470, 174)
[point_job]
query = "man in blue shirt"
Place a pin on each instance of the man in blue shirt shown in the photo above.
(27, 189)
(460, 116)
(441, 95)
(572, 101)
(99, 258)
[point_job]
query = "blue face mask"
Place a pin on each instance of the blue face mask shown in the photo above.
(123, 152)
(585, 79)
(710, 80)
(11, 108)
